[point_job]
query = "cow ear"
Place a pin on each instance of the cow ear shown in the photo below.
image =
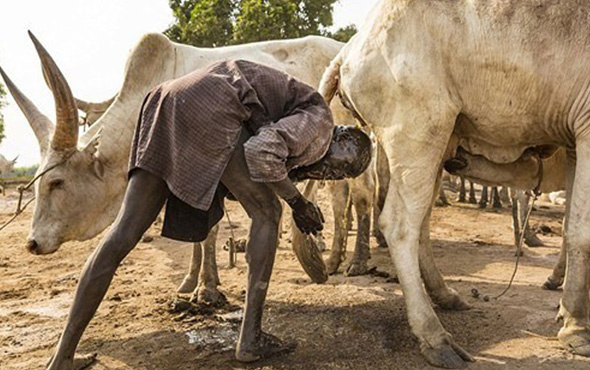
(98, 168)
(91, 149)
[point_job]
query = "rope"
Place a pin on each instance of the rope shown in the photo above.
(535, 195)
(519, 246)
(232, 240)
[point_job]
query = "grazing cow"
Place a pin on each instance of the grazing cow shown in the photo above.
(81, 197)
(496, 78)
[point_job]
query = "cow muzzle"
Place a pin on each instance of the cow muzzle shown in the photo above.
(32, 246)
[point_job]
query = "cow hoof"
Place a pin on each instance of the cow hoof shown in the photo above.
(533, 241)
(451, 301)
(332, 264)
(188, 285)
(321, 243)
(497, 205)
(472, 201)
(447, 356)
(553, 283)
(357, 269)
(576, 340)
(268, 346)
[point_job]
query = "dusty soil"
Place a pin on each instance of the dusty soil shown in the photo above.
(348, 323)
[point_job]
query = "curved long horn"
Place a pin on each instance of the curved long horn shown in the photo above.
(102, 106)
(65, 135)
(40, 123)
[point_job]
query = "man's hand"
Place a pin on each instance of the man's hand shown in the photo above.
(307, 216)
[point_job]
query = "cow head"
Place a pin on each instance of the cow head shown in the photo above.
(73, 199)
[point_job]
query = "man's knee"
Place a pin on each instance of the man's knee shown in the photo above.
(267, 210)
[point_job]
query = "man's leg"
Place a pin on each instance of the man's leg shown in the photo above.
(264, 208)
(143, 200)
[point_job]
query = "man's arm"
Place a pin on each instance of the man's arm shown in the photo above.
(307, 216)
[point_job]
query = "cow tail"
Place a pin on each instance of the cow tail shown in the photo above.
(331, 79)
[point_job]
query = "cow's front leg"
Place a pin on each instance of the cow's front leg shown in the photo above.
(415, 144)
(340, 204)
(462, 190)
(496, 202)
(191, 279)
(472, 198)
(483, 200)
(530, 237)
(362, 197)
(207, 291)
(575, 304)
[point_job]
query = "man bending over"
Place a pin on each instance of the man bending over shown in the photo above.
(236, 127)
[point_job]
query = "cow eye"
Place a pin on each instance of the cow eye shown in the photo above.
(56, 184)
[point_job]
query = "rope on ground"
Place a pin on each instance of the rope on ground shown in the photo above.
(519, 246)
(535, 195)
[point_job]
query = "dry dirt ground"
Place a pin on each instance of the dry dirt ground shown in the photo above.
(347, 323)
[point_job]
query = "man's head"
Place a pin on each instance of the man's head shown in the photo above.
(349, 156)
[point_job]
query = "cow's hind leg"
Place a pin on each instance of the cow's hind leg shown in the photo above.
(191, 279)
(382, 178)
(575, 304)
(362, 190)
(340, 204)
(554, 281)
(415, 144)
(437, 289)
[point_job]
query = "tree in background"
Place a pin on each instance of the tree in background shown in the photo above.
(210, 23)
(344, 34)
(3, 103)
(207, 23)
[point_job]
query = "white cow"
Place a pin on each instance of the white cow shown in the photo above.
(528, 172)
(518, 72)
(79, 198)
(6, 165)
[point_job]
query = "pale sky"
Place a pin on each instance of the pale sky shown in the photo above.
(90, 41)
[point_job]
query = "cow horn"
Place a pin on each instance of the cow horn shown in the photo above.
(40, 123)
(88, 107)
(65, 135)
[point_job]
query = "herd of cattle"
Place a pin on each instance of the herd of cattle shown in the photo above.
(493, 91)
